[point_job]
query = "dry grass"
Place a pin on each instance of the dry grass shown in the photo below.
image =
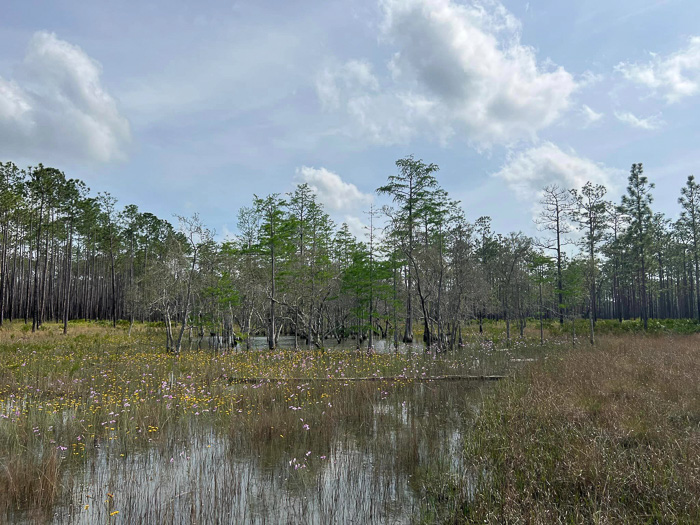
(29, 481)
(51, 332)
(603, 435)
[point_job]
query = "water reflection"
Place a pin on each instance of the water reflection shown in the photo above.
(287, 342)
(372, 465)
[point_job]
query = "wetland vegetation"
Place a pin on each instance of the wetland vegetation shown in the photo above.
(98, 426)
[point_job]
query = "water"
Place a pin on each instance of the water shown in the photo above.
(380, 345)
(376, 461)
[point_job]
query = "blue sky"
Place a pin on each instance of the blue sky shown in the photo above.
(183, 107)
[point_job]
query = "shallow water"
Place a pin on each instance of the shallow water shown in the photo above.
(380, 345)
(373, 467)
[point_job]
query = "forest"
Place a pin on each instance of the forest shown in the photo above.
(421, 271)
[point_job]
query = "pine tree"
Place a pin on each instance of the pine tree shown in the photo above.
(589, 211)
(636, 204)
(690, 219)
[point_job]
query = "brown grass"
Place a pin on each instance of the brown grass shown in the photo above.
(603, 435)
(28, 482)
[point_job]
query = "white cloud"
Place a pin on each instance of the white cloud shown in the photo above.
(353, 75)
(648, 123)
(356, 226)
(332, 190)
(590, 116)
(589, 78)
(527, 172)
(457, 68)
(13, 102)
(59, 109)
(674, 76)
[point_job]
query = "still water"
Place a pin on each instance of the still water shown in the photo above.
(387, 459)
(380, 345)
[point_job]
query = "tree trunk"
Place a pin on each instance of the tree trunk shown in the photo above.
(35, 306)
(66, 303)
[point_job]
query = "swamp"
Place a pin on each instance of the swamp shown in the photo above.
(419, 368)
(103, 427)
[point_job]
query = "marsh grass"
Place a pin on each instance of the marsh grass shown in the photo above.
(603, 435)
(97, 427)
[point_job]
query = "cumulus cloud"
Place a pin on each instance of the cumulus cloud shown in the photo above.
(335, 194)
(456, 68)
(527, 172)
(673, 77)
(58, 106)
(648, 123)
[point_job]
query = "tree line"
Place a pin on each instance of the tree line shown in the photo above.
(421, 268)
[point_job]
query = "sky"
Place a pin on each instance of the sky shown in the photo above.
(182, 107)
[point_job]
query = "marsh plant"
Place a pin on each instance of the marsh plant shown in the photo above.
(102, 427)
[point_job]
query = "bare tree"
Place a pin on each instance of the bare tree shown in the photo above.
(556, 207)
(197, 237)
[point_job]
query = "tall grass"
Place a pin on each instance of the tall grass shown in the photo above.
(603, 435)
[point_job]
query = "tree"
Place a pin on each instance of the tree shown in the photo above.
(574, 276)
(108, 204)
(74, 194)
(408, 190)
(130, 219)
(43, 184)
(371, 236)
(513, 251)
(272, 241)
(589, 211)
(248, 270)
(613, 250)
(310, 230)
(556, 207)
(197, 237)
(10, 199)
(636, 204)
(542, 267)
(690, 219)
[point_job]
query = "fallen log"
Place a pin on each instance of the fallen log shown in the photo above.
(232, 380)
